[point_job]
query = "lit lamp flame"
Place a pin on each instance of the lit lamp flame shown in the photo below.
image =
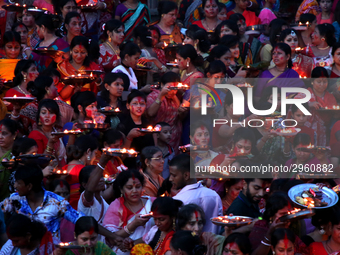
(197, 105)
(310, 146)
(163, 195)
(91, 75)
(165, 44)
(149, 128)
(176, 61)
(106, 176)
(117, 109)
(15, 96)
(242, 151)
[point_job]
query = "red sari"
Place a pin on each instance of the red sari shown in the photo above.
(251, 18)
(73, 180)
(108, 58)
(317, 248)
(191, 80)
(66, 69)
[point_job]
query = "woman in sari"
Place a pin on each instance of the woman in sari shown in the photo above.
(305, 36)
(46, 26)
(320, 98)
(25, 71)
(63, 7)
(188, 60)
(10, 55)
(80, 154)
(323, 39)
(48, 117)
(109, 50)
(27, 236)
(86, 233)
(332, 245)
(80, 55)
(278, 75)
(170, 31)
(23, 31)
(191, 217)
(210, 21)
(198, 38)
(132, 13)
(164, 211)
(123, 215)
(277, 205)
(42, 88)
(253, 43)
(302, 64)
(241, 7)
(283, 241)
(164, 106)
(152, 166)
(72, 25)
(8, 134)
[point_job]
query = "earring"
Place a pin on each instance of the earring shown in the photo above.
(110, 39)
(226, 190)
(39, 123)
(322, 231)
(162, 15)
(323, 38)
(25, 78)
(88, 158)
(187, 64)
(174, 224)
(273, 252)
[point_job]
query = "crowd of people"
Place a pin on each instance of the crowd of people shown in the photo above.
(80, 79)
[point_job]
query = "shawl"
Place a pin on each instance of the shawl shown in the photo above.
(7, 67)
(150, 188)
(307, 6)
(192, 14)
(176, 34)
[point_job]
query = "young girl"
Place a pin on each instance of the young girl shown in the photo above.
(222, 11)
(326, 16)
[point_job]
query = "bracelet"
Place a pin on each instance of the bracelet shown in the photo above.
(14, 117)
(127, 231)
(266, 239)
(266, 244)
(250, 4)
(105, 5)
(102, 168)
(71, 86)
(157, 101)
(26, 48)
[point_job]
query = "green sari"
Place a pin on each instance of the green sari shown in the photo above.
(100, 249)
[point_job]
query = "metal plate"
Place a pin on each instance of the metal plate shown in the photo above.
(303, 214)
(83, 79)
(328, 195)
(286, 134)
(218, 221)
(69, 132)
(88, 72)
(14, 7)
(119, 153)
(19, 100)
(190, 147)
(50, 53)
(35, 159)
(93, 126)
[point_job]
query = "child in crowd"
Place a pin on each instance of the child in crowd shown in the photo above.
(163, 139)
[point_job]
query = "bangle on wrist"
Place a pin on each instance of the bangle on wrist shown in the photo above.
(100, 166)
(266, 244)
(157, 101)
(127, 230)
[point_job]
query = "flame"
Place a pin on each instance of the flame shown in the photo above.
(65, 172)
(149, 128)
(163, 195)
(220, 179)
(242, 151)
(307, 23)
(132, 151)
(298, 49)
(15, 96)
(165, 44)
(124, 150)
(79, 74)
(300, 23)
(106, 176)
(58, 172)
(117, 109)
(252, 28)
(176, 61)
(91, 75)
(197, 105)
(310, 146)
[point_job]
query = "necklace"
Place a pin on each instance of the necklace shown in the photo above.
(128, 206)
(188, 74)
(323, 48)
(116, 52)
(209, 30)
(26, 94)
(81, 162)
(159, 244)
(166, 31)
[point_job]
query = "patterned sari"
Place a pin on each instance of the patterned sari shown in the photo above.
(99, 249)
(135, 17)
